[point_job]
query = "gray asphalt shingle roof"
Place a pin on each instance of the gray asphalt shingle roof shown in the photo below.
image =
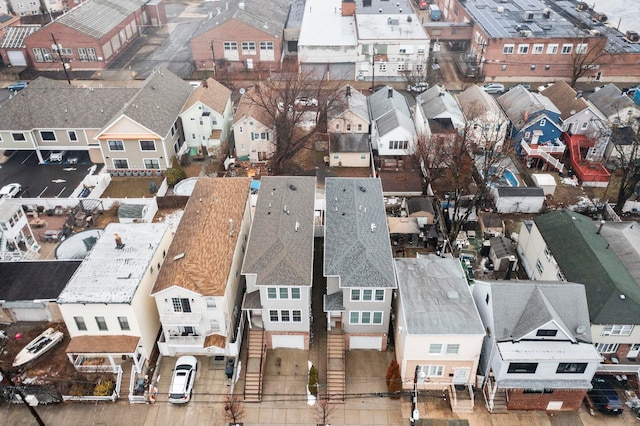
(624, 238)
(435, 297)
(357, 246)
(610, 100)
(355, 102)
(518, 103)
(280, 246)
(349, 142)
(584, 256)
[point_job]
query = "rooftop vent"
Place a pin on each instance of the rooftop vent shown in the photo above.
(362, 189)
(582, 5)
(292, 187)
(546, 13)
(373, 227)
(119, 243)
(178, 256)
(581, 329)
(500, 9)
(452, 294)
(528, 16)
(297, 226)
(600, 17)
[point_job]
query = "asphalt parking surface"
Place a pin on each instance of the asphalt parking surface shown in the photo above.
(43, 180)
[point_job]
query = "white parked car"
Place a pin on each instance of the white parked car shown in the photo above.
(184, 376)
(10, 190)
(417, 87)
(544, 86)
(493, 88)
(306, 101)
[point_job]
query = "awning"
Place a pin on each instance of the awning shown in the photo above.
(216, 340)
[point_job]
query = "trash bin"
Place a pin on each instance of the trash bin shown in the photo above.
(228, 370)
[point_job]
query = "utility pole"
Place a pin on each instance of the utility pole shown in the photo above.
(33, 411)
(213, 56)
(58, 49)
(373, 68)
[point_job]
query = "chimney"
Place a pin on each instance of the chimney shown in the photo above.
(600, 227)
(390, 93)
(349, 7)
(119, 243)
(348, 91)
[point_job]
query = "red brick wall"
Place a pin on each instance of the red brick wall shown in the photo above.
(571, 399)
(233, 30)
(70, 38)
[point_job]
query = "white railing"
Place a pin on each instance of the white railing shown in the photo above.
(114, 395)
(180, 319)
(544, 152)
(184, 340)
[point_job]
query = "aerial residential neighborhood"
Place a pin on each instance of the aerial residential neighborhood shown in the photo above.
(343, 212)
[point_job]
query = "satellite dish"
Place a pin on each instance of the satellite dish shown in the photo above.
(242, 91)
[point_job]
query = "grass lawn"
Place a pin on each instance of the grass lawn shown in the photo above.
(131, 187)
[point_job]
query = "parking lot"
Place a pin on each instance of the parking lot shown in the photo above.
(48, 180)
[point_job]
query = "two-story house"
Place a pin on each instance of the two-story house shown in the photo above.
(198, 292)
(565, 245)
(537, 353)
(534, 127)
(106, 305)
(254, 132)
(243, 35)
(206, 117)
(17, 241)
(358, 262)
(278, 264)
(437, 111)
(438, 332)
(348, 127)
(393, 133)
(486, 123)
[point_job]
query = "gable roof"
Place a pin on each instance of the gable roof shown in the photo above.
(349, 142)
(112, 275)
(203, 237)
(565, 99)
(211, 93)
(54, 104)
(268, 16)
(475, 102)
(390, 110)
(520, 307)
(419, 205)
(349, 99)
(435, 297)
(357, 246)
(624, 240)
(158, 103)
(584, 256)
(610, 100)
(96, 18)
(22, 281)
(502, 246)
(519, 103)
(249, 109)
(280, 246)
(438, 103)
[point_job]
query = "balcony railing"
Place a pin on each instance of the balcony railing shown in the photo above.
(180, 319)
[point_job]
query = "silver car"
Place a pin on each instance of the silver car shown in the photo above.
(184, 376)
(493, 88)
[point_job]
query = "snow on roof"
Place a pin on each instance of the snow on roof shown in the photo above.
(110, 274)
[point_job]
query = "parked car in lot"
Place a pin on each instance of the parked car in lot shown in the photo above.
(57, 156)
(493, 88)
(604, 396)
(18, 85)
(184, 376)
(10, 190)
(306, 101)
(417, 87)
(6, 155)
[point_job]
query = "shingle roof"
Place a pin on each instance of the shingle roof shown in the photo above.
(419, 204)
(502, 246)
(159, 102)
(564, 97)
(584, 256)
(280, 246)
(211, 93)
(518, 103)
(435, 297)
(390, 112)
(624, 240)
(349, 142)
(249, 109)
(97, 18)
(474, 101)
(438, 103)
(357, 245)
(520, 191)
(268, 16)
(203, 237)
(53, 104)
(521, 307)
(22, 281)
(610, 100)
(356, 102)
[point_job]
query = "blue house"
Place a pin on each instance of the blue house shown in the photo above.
(534, 127)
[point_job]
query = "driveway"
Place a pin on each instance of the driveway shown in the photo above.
(43, 180)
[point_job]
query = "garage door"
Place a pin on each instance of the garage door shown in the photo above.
(30, 315)
(365, 342)
(291, 342)
(16, 58)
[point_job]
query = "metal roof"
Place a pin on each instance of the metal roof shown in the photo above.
(97, 18)
(14, 36)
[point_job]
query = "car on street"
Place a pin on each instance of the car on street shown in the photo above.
(10, 190)
(184, 376)
(493, 88)
(18, 85)
(306, 101)
(604, 396)
(418, 87)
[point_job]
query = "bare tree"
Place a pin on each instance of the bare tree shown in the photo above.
(466, 162)
(587, 53)
(233, 409)
(625, 140)
(295, 124)
(323, 411)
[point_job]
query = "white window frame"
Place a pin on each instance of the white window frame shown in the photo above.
(248, 48)
(537, 49)
(523, 49)
(147, 150)
(72, 135)
(283, 293)
(151, 163)
(567, 48)
(581, 48)
(539, 266)
(617, 330)
(429, 371)
(230, 46)
(121, 142)
(126, 160)
(552, 48)
(371, 315)
(607, 348)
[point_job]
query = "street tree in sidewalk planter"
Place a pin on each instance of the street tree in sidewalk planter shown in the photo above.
(394, 379)
(313, 380)
(233, 410)
(323, 411)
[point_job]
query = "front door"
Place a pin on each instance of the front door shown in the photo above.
(460, 376)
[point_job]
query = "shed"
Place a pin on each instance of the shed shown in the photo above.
(422, 209)
(136, 213)
(500, 252)
(527, 199)
(545, 181)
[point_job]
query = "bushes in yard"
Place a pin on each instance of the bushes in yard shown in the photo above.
(394, 379)
(175, 173)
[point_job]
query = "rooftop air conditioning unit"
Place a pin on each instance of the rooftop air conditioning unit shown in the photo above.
(600, 17)
(546, 13)
(633, 36)
(528, 16)
(525, 33)
(582, 5)
(500, 9)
